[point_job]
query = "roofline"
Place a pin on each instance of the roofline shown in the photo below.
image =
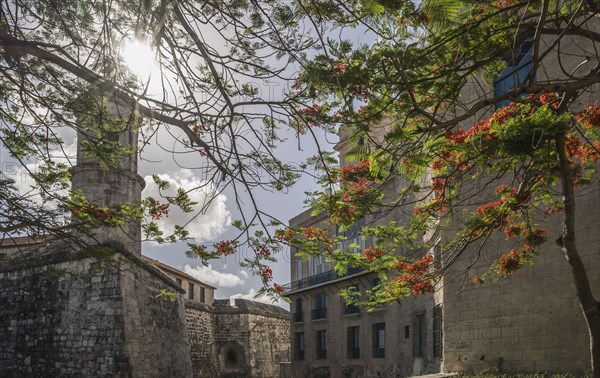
(176, 271)
(20, 241)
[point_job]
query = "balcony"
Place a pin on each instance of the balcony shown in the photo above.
(319, 313)
(320, 278)
(351, 309)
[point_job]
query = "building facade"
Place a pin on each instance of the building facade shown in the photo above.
(332, 339)
(527, 323)
(239, 338)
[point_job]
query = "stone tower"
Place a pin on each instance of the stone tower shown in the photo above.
(109, 125)
(66, 311)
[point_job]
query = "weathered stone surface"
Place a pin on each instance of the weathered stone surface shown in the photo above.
(249, 339)
(76, 318)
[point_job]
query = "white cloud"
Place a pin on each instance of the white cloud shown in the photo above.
(213, 277)
(26, 185)
(250, 295)
(210, 217)
(244, 273)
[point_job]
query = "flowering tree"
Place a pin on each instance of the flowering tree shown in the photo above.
(495, 124)
(217, 88)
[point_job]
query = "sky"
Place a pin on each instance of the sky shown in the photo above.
(181, 171)
(231, 280)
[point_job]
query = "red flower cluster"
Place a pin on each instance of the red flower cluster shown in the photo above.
(158, 210)
(356, 182)
(438, 184)
(501, 4)
(344, 213)
(311, 115)
(319, 234)
(590, 117)
(100, 215)
(226, 247)
(339, 68)
(413, 275)
(284, 235)
(297, 84)
(357, 190)
(314, 232)
(583, 151)
(513, 230)
(511, 198)
(353, 172)
(262, 252)
(372, 253)
(550, 98)
(278, 288)
(422, 287)
(510, 262)
(503, 114)
(266, 273)
(535, 237)
(418, 267)
(489, 208)
(197, 128)
(461, 136)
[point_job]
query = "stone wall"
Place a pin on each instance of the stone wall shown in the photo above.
(532, 320)
(156, 338)
(248, 339)
(55, 324)
(64, 314)
(201, 333)
(268, 343)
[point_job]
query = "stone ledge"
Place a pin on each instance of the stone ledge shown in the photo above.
(55, 252)
(245, 306)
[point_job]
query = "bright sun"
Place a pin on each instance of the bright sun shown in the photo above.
(139, 58)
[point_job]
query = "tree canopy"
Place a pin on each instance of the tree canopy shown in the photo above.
(423, 105)
(484, 119)
(209, 91)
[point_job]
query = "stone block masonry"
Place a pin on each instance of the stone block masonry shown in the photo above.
(63, 315)
(246, 339)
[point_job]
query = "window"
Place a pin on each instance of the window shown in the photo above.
(320, 310)
(179, 281)
(515, 74)
(353, 342)
(321, 344)
(419, 335)
(298, 310)
(318, 265)
(202, 295)
(379, 340)
(299, 345)
(437, 331)
(406, 332)
(353, 237)
(191, 291)
(350, 308)
(298, 268)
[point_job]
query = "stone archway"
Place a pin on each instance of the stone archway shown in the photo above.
(232, 360)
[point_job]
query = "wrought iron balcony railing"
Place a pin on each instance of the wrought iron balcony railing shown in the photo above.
(316, 279)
